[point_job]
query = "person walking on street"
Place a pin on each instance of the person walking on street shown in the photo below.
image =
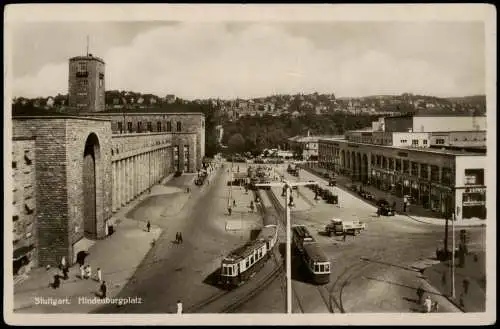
(420, 295)
(435, 307)
(103, 289)
(57, 281)
(82, 272)
(344, 236)
(65, 271)
(428, 304)
(177, 237)
(234, 203)
(88, 272)
(179, 307)
(148, 226)
(180, 237)
(99, 274)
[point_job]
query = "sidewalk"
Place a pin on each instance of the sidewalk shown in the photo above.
(415, 212)
(118, 256)
(472, 300)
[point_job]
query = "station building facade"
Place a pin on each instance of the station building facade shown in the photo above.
(71, 172)
(444, 180)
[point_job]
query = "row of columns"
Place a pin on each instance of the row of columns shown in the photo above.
(135, 174)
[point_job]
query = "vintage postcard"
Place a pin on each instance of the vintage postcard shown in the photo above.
(249, 164)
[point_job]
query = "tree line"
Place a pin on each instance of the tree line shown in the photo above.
(254, 134)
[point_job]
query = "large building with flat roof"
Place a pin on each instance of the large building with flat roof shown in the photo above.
(72, 171)
(407, 163)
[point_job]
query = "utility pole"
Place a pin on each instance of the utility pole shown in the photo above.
(288, 189)
(453, 256)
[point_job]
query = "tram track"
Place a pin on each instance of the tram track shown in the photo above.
(236, 302)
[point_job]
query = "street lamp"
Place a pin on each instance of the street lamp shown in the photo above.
(287, 186)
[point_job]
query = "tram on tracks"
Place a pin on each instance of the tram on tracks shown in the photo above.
(242, 263)
(312, 255)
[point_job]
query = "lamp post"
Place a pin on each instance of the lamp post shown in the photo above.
(287, 186)
(453, 255)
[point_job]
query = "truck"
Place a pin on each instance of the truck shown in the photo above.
(340, 227)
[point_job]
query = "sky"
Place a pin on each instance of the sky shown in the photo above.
(196, 60)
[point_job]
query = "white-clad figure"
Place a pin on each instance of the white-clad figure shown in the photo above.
(179, 307)
(428, 304)
(99, 274)
(82, 272)
(63, 262)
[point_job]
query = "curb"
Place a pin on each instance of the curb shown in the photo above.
(439, 224)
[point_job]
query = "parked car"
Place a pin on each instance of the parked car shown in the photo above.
(384, 208)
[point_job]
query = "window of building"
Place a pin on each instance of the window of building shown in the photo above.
(398, 164)
(403, 141)
(435, 174)
(158, 126)
(84, 82)
(465, 138)
(439, 141)
(14, 164)
(129, 126)
(139, 126)
(150, 126)
(15, 218)
(82, 67)
(474, 176)
(179, 126)
(424, 141)
(120, 127)
(446, 174)
(169, 126)
(414, 142)
(101, 79)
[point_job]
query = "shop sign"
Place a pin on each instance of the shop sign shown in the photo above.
(473, 203)
(475, 190)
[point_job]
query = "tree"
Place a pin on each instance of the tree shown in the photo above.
(236, 143)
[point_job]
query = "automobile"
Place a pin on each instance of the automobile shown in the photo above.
(331, 198)
(369, 196)
(384, 208)
(339, 226)
(178, 173)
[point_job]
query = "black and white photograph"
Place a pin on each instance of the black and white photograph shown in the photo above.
(286, 164)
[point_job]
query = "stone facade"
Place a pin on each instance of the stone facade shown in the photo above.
(24, 204)
(119, 168)
(191, 132)
(86, 83)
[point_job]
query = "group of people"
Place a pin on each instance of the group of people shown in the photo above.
(429, 305)
(178, 238)
(85, 273)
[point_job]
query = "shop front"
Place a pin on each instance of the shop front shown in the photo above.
(474, 203)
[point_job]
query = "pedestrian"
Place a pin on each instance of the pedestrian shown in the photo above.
(148, 225)
(179, 307)
(420, 295)
(103, 289)
(88, 272)
(234, 203)
(99, 274)
(65, 271)
(229, 210)
(63, 262)
(404, 206)
(435, 307)
(57, 281)
(82, 272)
(176, 237)
(344, 236)
(180, 237)
(428, 304)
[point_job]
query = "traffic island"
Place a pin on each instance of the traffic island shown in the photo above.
(470, 281)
